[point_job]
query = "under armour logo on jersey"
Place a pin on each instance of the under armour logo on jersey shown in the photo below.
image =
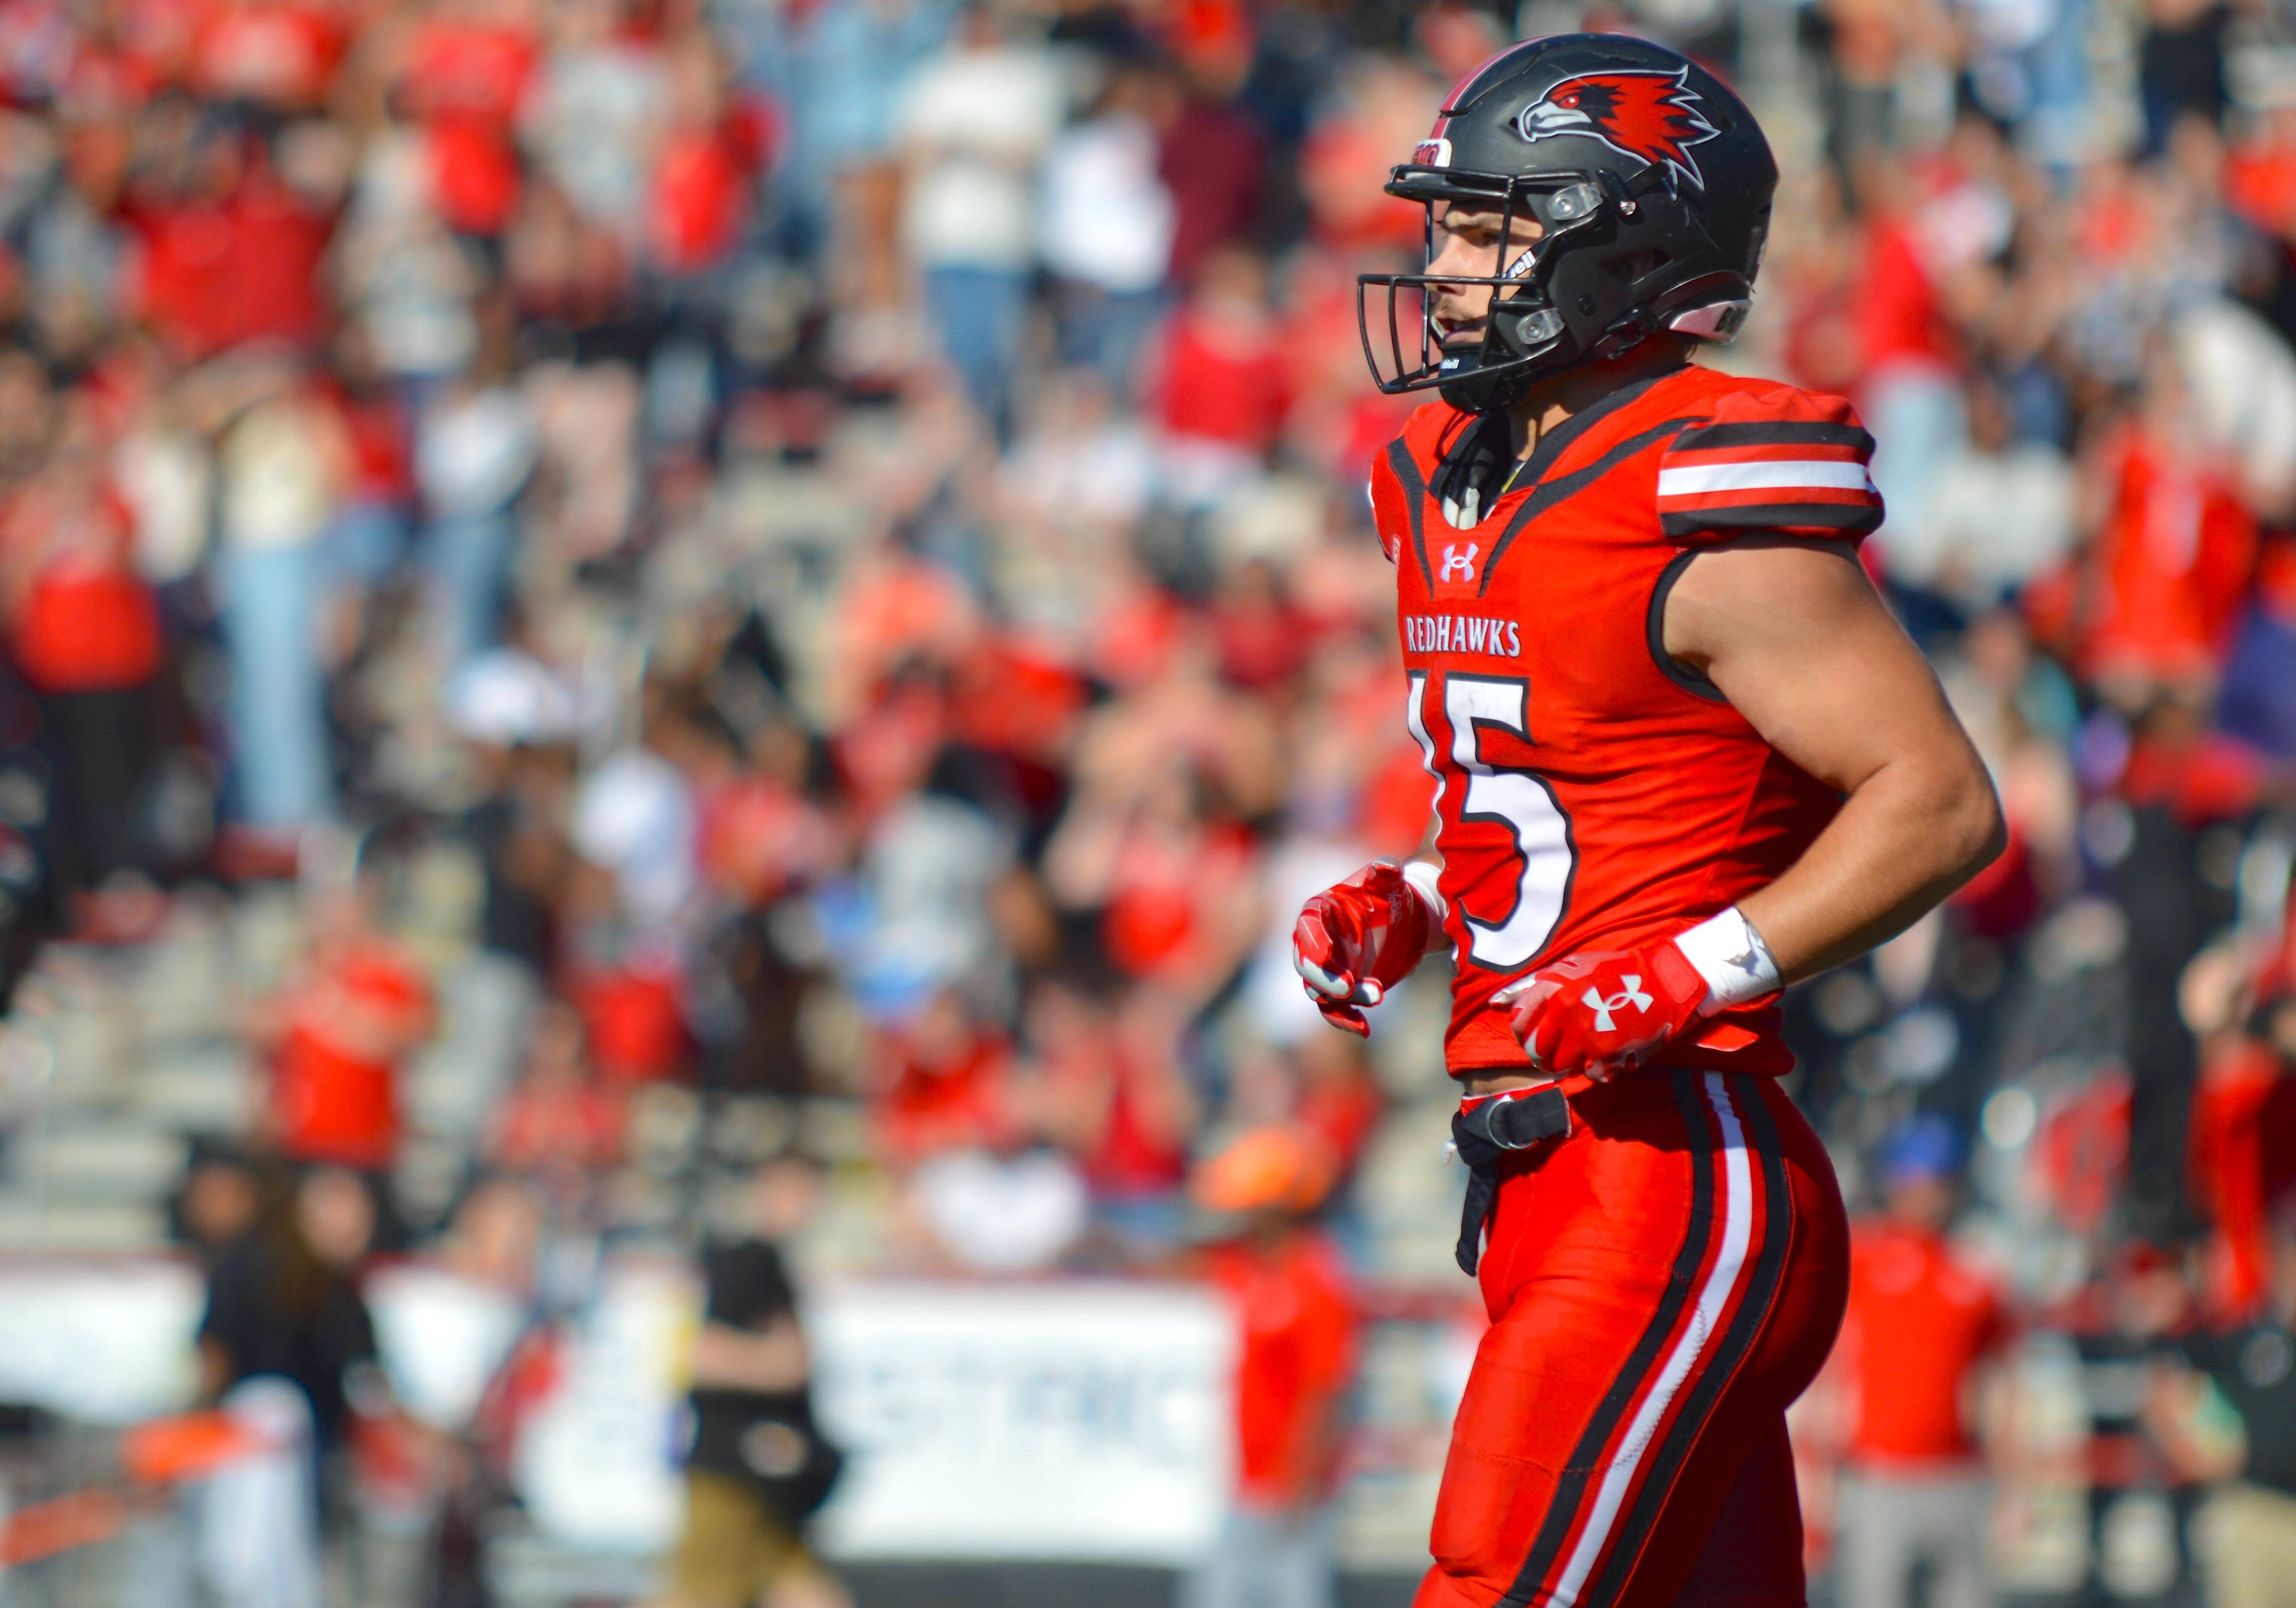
(1456, 557)
(1631, 995)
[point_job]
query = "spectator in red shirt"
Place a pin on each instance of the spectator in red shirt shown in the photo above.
(1920, 1327)
(280, 54)
(946, 1085)
(2259, 176)
(2240, 1148)
(1171, 870)
(1377, 107)
(84, 628)
(1223, 387)
(466, 75)
(1909, 385)
(557, 1121)
(1339, 1098)
(231, 248)
(338, 1032)
(2173, 562)
(706, 169)
(1213, 160)
(1283, 1279)
(1263, 638)
(1113, 1094)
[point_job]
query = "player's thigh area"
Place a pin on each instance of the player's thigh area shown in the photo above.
(1731, 1538)
(1614, 1370)
(1579, 1278)
(1541, 1377)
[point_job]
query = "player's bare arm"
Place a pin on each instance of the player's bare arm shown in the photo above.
(1793, 634)
(1796, 639)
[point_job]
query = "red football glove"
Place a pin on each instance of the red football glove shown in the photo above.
(1600, 1010)
(1357, 939)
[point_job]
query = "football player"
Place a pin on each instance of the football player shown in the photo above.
(1682, 756)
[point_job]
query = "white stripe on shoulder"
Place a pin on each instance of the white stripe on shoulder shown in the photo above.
(1832, 473)
(1704, 1323)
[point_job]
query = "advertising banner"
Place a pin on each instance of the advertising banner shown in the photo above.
(1073, 1420)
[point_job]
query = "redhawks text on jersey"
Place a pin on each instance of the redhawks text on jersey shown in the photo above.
(1591, 791)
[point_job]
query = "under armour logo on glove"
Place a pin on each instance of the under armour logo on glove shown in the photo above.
(1631, 995)
(1635, 1001)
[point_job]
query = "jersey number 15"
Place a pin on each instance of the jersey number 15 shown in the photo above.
(1517, 800)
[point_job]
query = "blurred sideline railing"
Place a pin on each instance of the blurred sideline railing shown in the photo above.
(1060, 1420)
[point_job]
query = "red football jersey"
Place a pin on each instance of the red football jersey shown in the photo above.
(1592, 792)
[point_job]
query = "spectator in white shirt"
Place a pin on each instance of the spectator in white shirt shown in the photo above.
(975, 129)
(1107, 232)
(2000, 514)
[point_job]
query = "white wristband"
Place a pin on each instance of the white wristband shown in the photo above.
(1732, 958)
(1422, 876)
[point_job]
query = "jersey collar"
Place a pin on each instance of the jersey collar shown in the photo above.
(1553, 444)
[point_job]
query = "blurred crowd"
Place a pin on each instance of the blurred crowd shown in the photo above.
(844, 520)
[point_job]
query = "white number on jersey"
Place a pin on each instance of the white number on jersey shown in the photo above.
(1517, 800)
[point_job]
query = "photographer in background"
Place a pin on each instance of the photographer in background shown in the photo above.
(287, 1347)
(757, 1467)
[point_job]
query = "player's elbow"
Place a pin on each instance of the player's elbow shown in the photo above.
(1968, 832)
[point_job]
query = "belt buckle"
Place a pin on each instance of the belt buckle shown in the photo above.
(1546, 1115)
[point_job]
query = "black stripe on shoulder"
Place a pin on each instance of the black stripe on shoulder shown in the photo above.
(1415, 498)
(1551, 492)
(1586, 1458)
(1853, 517)
(1799, 432)
(1760, 1136)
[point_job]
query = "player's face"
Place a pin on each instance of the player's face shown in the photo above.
(1467, 243)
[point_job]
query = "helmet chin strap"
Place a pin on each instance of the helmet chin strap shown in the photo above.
(1492, 389)
(1502, 392)
(1623, 337)
(1503, 373)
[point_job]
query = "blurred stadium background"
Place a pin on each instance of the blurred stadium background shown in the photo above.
(643, 628)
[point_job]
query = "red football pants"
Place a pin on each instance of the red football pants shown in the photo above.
(1661, 1283)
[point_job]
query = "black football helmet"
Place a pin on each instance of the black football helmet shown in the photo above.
(1651, 180)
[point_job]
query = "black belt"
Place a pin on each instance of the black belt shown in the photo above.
(1485, 1135)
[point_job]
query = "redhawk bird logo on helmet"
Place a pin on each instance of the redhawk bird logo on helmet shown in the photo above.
(1650, 115)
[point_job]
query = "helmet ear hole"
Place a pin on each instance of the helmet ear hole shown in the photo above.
(1757, 243)
(1636, 264)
